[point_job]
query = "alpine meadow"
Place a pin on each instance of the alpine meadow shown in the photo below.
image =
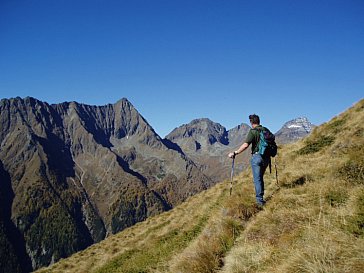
(313, 220)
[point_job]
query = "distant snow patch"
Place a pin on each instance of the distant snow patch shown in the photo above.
(294, 126)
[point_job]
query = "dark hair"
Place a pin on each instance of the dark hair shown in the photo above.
(254, 119)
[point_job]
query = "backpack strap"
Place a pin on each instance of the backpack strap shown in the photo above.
(258, 129)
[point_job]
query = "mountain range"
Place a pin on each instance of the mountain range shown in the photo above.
(72, 174)
(207, 143)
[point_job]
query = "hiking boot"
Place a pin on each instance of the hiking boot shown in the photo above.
(260, 205)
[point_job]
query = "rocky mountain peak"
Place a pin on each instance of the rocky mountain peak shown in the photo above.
(124, 101)
(207, 143)
(238, 134)
(300, 122)
(294, 129)
(203, 131)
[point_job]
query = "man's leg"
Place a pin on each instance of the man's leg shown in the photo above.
(258, 168)
(263, 167)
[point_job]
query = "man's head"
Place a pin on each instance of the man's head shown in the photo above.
(254, 119)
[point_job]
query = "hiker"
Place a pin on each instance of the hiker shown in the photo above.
(258, 161)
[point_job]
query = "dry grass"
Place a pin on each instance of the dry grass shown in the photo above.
(206, 253)
(315, 223)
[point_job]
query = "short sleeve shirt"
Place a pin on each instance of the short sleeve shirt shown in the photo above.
(253, 138)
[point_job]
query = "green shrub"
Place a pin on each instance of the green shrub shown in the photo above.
(336, 197)
(359, 132)
(313, 146)
(356, 222)
(336, 125)
(352, 171)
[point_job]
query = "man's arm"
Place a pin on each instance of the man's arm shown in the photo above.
(240, 150)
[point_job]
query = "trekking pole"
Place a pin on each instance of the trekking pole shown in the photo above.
(275, 166)
(232, 175)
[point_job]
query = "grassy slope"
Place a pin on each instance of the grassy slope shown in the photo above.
(313, 223)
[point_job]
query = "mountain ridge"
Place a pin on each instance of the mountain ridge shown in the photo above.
(65, 160)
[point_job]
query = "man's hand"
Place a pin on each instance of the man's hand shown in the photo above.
(238, 151)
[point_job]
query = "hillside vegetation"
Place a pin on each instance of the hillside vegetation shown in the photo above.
(313, 220)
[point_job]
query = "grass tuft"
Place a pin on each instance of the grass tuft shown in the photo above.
(336, 197)
(352, 171)
(356, 221)
(337, 124)
(301, 180)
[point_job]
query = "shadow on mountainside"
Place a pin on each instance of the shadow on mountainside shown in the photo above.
(14, 255)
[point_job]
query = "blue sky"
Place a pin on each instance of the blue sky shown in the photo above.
(180, 60)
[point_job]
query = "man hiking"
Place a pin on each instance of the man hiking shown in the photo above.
(259, 160)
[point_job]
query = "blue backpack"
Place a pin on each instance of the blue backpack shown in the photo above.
(267, 144)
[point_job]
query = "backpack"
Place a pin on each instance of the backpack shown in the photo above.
(267, 145)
